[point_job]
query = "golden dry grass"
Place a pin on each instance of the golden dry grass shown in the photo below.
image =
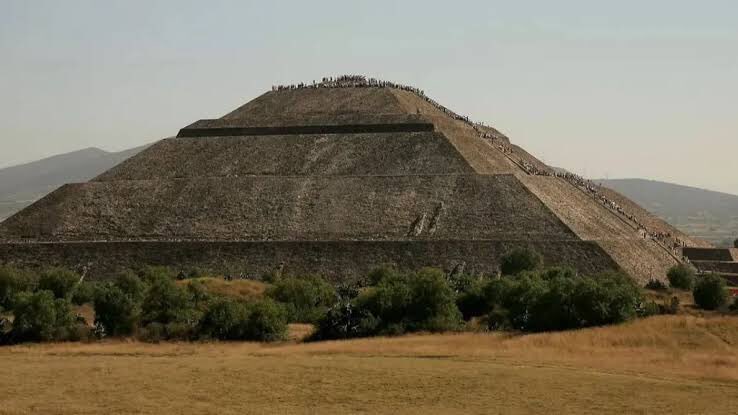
(668, 364)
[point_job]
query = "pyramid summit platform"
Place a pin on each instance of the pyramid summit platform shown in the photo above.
(336, 178)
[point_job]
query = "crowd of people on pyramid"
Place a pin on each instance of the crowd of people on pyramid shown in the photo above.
(665, 238)
(361, 81)
(348, 81)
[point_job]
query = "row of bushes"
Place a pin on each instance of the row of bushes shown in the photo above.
(551, 299)
(709, 291)
(150, 305)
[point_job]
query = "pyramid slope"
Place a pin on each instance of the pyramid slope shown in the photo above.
(311, 101)
(256, 208)
(650, 220)
(483, 157)
(287, 155)
(333, 180)
(591, 221)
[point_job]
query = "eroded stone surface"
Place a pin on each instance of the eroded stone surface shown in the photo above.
(393, 180)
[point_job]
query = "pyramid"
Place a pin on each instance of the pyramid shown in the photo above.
(336, 178)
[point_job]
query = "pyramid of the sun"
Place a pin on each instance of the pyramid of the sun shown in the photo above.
(332, 180)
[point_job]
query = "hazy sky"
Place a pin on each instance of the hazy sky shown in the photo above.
(633, 88)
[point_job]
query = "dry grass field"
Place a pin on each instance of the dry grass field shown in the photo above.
(667, 364)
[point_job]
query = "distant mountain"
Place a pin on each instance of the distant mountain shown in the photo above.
(706, 214)
(23, 184)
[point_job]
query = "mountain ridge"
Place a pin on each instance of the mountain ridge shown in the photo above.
(22, 184)
(707, 214)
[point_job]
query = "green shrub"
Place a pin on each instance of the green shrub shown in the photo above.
(306, 299)
(165, 302)
(472, 301)
(496, 290)
(498, 319)
(606, 299)
(13, 282)
(198, 293)
(149, 274)
(39, 316)
(433, 304)
(557, 308)
(710, 292)
(61, 282)
(228, 319)
(134, 286)
(224, 320)
(463, 282)
(420, 301)
(735, 243)
(734, 305)
(115, 311)
(118, 304)
(84, 293)
(558, 299)
(5, 326)
(558, 273)
(271, 277)
(649, 309)
(266, 321)
(681, 277)
(381, 273)
(519, 260)
(399, 303)
(656, 285)
(194, 272)
(343, 321)
(520, 299)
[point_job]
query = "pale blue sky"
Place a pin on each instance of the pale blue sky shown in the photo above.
(620, 89)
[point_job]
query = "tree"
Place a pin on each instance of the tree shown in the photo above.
(558, 299)
(132, 285)
(115, 310)
(198, 293)
(421, 301)
(735, 243)
(84, 293)
(614, 299)
(433, 302)
(681, 276)
(306, 299)
(13, 282)
(519, 260)
(40, 317)
(224, 320)
(266, 321)
(710, 293)
(520, 299)
(59, 281)
(471, 301)
(165, 302)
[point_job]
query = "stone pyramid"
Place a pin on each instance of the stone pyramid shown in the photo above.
(336, 178)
